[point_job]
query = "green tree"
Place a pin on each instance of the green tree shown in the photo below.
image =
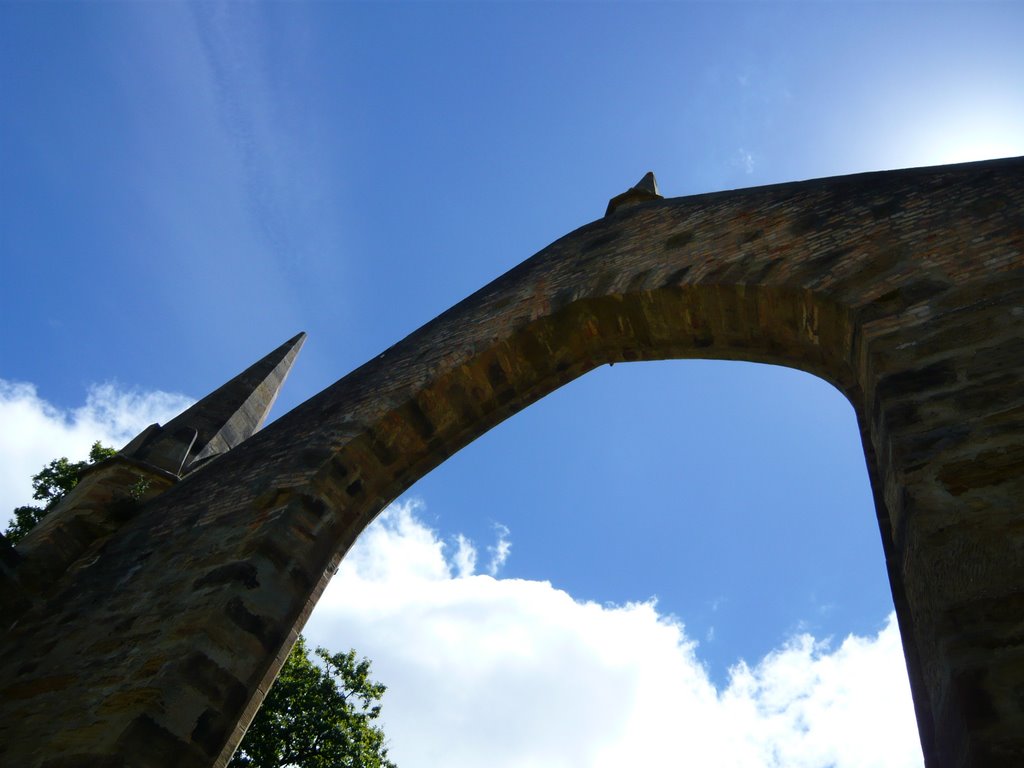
(50, 485)
(317, 715)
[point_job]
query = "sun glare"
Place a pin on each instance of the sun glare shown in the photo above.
(978, 131)
(965, 148)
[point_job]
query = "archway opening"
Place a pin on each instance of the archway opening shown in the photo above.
(728, 502)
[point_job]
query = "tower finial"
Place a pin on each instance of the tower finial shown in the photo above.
(222, 419)
(644, 190)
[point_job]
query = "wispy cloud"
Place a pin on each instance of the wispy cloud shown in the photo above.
(278, 149)
(744, 160)
(465, 556)
(510, 672)
(500, 550)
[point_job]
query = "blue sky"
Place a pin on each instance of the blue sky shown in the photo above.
(182, 187)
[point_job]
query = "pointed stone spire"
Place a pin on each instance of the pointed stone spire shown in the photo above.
(648, 184)
(644, 190)
(219, 421)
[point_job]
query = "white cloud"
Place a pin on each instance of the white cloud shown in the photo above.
(34, 432)
(500, 550)
(465, 556)
(744, 160)
(508, 672)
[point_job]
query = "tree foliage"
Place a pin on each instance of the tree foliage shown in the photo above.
(317, 715)
(49, 486)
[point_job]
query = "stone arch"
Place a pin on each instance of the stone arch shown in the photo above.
(904, 289)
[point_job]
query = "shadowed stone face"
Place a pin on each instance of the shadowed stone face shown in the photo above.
(905, 289)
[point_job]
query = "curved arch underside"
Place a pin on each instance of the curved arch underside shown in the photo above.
(905, 289)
